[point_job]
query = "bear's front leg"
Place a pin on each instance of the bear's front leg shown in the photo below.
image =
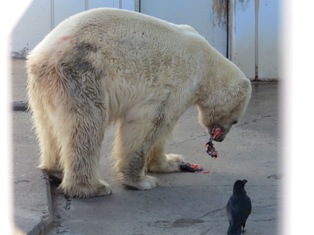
(159, 162)
(132, 172)
(136, 134)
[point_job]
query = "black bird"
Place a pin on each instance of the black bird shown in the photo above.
(238, 208)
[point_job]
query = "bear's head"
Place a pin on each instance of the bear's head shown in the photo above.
(224, 107)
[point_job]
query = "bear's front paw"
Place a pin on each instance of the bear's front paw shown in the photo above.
(167, 164)
(104, 189)
(147, 182)
(98, 189)
(173, 162)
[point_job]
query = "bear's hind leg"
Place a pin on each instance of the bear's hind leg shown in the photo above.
(49, 148)
(80, 158)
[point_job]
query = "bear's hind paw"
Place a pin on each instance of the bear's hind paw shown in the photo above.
(98, 190)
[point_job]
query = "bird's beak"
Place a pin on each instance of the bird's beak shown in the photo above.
(244, 181)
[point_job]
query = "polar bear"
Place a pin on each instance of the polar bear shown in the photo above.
(106, 66)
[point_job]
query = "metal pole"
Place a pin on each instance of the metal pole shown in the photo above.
(256, 38)
(52, 14)
(230, 28)
(137, 5)
(86, 5)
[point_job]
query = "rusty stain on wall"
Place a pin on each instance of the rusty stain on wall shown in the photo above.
(220, 12)
(244, 4)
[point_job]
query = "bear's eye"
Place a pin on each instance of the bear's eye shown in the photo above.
(234, 122)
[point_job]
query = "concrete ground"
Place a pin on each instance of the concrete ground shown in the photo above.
(184, 203)
(32, 198)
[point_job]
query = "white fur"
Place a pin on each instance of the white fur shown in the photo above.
(104, 66)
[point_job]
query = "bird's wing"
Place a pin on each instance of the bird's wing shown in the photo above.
(249, 205)
(229, 210)
(238, 210)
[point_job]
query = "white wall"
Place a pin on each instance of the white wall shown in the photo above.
(65, 8)
(33, 26)
(254, 46)
(256, 38)
(244, 37)
(255, 30)
(269, 39)
(206, 16)
(43, 15)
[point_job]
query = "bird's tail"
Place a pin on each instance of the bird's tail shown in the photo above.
(232, 230)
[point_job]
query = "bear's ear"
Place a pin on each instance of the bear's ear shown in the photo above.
(240, 94)
(243, 88)
(246, 85)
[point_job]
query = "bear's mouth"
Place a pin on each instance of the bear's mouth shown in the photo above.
(217, 133)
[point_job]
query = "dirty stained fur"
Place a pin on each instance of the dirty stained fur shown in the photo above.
(108, 66)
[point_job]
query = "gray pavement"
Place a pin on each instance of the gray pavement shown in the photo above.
(184, 203)
(32, 196)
